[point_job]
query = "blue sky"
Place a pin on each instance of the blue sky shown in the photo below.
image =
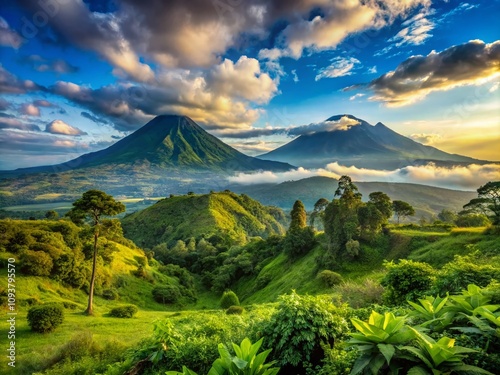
(76, 76)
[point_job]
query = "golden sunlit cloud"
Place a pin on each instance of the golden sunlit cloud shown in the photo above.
(471, 63)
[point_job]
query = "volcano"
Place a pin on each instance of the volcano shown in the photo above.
(362, 145)
(168, 142)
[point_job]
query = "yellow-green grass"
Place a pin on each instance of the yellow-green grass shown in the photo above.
(458, 242)
(34, 349)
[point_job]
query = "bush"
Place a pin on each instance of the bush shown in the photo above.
(110, 294)
(462, 271)
(407, 280)
(472, 220)
(300, 328)
(166, 294)
(234, 310)
(228, 299)
(36, 263)
(45, 318)
(329, 278)
(126, 311)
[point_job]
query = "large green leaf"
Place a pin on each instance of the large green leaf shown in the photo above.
(387, 351)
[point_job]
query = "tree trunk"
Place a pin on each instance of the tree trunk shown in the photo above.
(90, 310)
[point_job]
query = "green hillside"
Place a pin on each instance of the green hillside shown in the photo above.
(232, 216)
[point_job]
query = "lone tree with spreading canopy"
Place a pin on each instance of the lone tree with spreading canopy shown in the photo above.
(93, 205)
(402, 209)
(487, 202)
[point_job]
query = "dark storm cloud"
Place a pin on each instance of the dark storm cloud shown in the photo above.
(415, 78)
(96, 119)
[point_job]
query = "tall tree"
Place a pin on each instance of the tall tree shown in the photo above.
(341, 215)
(299, 238)
(382, 202)
(487, 202)
(402, 209)
(319, 208)
(299, 216)
(94, 204)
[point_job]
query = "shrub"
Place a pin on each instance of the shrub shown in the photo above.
(462, 271)
(166, 294)
(110, 294)
(407, 280)
(234, 310)
(36, 263)
(228, 299)
(300, 327)
(126, 311)
(329, 278)
(45, 318)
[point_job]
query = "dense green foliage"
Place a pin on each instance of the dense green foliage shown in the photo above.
(45, 318)
(300, 327)
(228, 299)
(407, 280)
(329, 278)
(127, 311)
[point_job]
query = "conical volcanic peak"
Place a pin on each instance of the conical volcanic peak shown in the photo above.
(362, 145)
(168, 142)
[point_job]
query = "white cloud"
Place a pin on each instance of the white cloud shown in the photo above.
(60, 127)
(458, 177)
(356, 96)
(242, 80)
(30, 110)
(340, 66)
(415, 31)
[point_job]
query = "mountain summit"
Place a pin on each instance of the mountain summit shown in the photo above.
(169, 142)
(356, 142)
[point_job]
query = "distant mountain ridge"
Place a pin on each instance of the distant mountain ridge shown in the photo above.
(364, 146)
(166, 142)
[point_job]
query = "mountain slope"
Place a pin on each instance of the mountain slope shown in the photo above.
(427, 200)
(362, 145)
(182, 217)
(167, 142)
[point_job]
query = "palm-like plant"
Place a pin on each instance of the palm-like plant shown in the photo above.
(471, 301)
(439, 357)
(434, 311)
(377, 340)
(245, 362)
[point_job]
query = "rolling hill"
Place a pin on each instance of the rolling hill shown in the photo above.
(427, 200)
(182, 217)
(362, 145)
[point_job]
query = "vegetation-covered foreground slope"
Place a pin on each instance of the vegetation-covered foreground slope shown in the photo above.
(234, 217)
